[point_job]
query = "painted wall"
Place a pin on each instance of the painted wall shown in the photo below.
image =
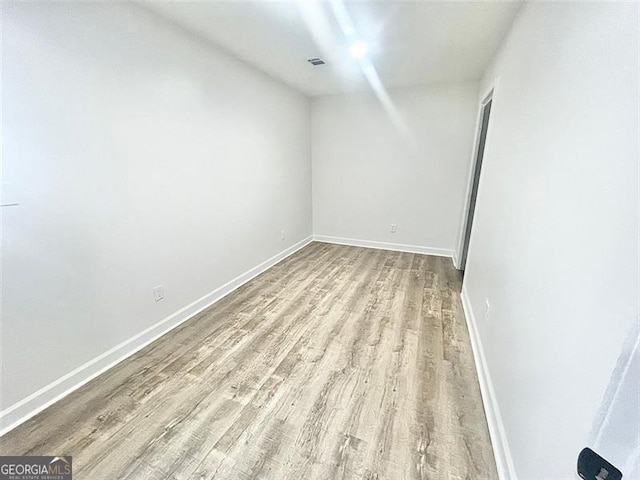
(140, 156)
(369, 172)
(555, 240)
(616, 430)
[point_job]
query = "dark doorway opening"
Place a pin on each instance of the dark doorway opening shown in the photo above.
(482, 138)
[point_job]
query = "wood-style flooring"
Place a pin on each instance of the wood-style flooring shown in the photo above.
(338, 363)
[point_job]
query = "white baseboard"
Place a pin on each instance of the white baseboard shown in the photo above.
(456, 260)
(22, 411)
(501, 451)
(397, 247)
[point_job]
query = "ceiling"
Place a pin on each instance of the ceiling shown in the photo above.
(410, 43)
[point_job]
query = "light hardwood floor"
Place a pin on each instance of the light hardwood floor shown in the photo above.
(339, 362)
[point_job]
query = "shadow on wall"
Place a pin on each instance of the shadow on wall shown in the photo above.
(615, 429)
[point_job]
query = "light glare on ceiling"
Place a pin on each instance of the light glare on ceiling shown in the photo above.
(359, 49)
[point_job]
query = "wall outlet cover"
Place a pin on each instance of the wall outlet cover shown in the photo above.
(158, 293)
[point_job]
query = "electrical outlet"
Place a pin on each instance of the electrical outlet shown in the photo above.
(487, 308)
(158, 293)
(394, 228)
(283, 235)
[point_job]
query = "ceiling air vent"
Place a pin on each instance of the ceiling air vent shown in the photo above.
(316, 61)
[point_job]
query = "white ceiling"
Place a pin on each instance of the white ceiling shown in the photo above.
(411, 43)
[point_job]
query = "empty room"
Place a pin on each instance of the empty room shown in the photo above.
(291, 240)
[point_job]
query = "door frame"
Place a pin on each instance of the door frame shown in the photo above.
(489, 95)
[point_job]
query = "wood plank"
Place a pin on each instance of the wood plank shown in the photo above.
(339, 362)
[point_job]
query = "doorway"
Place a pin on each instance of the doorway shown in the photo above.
(482, 138)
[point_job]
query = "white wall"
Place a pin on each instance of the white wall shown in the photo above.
(140, 156)
(369, 174)
(555, 240)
